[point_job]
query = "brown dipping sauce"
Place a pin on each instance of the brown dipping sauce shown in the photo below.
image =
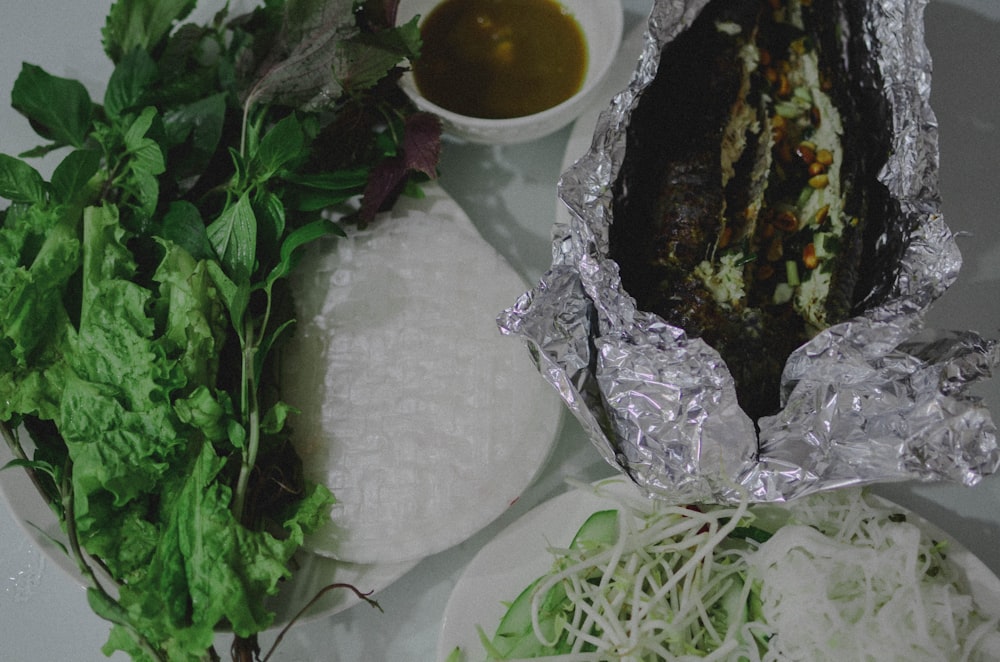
(498, 59)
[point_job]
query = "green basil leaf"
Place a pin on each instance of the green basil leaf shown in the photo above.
(141, 24)
(40, 151)
(146, 189)
(145, 152)
(234, 238)
(59, 108)
(74, 173)
(128, 82)
(298, 238)
(183, 225)
(239, 168)
(270, 217)
(236, 433)
(236, 297)
(237, 306)
(284, 142)
(34, 465)
(146, 161)
(192, 134)
(347, 179)
(311, 200)
(313, 192)
(19, 182)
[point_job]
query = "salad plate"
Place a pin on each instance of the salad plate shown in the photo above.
(524, 551)
(508, 563)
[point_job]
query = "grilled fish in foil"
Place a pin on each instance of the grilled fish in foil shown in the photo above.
(737, 303)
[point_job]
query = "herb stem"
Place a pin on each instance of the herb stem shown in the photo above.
(88, 573)
(244, 127)
(250, 406)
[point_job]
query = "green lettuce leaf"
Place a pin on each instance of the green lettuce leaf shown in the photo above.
(39, 255)
(199, 575)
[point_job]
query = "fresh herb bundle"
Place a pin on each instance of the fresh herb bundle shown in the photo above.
(143, 291)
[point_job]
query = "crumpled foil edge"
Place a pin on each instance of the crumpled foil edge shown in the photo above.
(878, 398)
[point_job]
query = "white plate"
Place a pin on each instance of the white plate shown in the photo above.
(429, 497)
(520, 554)
(453, 474)
(424, 421)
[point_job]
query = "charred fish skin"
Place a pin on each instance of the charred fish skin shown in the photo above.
(667, 200)
(747, 210)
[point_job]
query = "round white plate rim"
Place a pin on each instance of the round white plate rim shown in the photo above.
(510, 561)
(519, 554)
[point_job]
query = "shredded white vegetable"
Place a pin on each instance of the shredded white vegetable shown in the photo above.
(842, 578)
(851, 584)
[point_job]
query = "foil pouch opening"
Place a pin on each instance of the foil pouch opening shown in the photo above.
(864, 392)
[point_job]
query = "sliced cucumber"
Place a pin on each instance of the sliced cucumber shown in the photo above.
(601, 528)
(515, 637)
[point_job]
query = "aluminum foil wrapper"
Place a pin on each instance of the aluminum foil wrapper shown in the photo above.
(877, 398)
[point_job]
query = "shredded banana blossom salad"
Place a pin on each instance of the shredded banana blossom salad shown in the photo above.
(841, 575)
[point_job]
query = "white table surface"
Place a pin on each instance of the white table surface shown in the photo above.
(509, 193)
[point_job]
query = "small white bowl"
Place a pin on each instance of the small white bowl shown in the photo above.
(601, 22)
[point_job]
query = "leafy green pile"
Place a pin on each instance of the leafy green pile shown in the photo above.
(143, 293)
